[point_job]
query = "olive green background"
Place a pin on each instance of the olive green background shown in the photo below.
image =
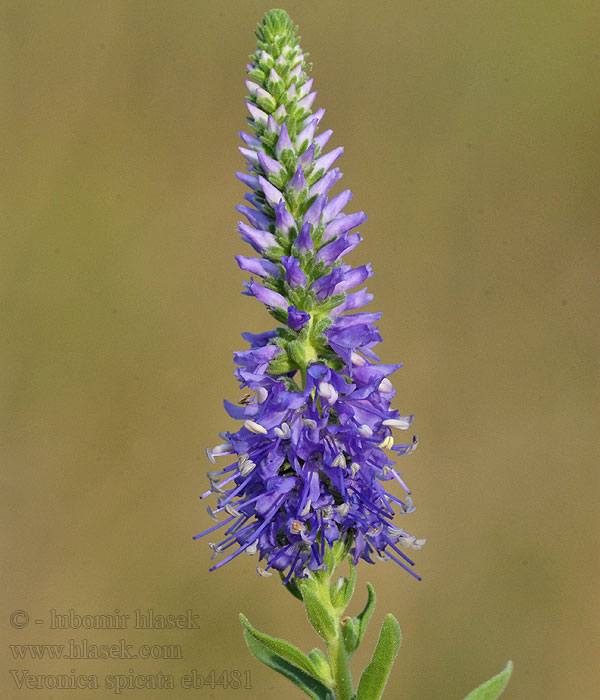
(471, 137)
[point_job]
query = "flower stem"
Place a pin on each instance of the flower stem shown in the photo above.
(320, 583)
(340, 669)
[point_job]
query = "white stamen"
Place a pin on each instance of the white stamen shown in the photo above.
(231, 510)
(310, 423)
(261, 394)
(339, 461)
(215, 549)
(381, 557)
(215, 488)
(412, 542)
(247, 467)
(408, 506)
(355, 466)
(262, 572)
(284, 432)
(252, 548)
(256, 428)
(224, 449)
(306, 509)
(402, 423)
(365, 431)
(386, 387)
(396, 531)
(387, 443)
(328, 392)
(209, 510)
(357, 359)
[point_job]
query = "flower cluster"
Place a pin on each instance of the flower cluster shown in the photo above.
(310, 466)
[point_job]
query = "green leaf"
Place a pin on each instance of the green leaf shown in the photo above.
(311, 686)
(493, 688)
(320, 661)
(319, 616)
(365, 615)
(288, 159)
(300, 352)
(281, 364)
(278, 313)
(282, 648)
(349, 586)
(257, 75)
(337, 593)
(330, 559)
(343, 590)
(375, 676)
(350, 635)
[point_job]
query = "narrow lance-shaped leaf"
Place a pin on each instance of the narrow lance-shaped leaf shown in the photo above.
(374, 677)
(492, 689)
(320, 618)
(364, 617)
(341, 595)
(284, 649)
(350, 635)
(311, 686)
(319, 660)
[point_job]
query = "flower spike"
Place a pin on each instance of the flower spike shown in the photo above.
(310, 465)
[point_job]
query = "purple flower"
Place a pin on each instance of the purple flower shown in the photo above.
(297, 319)
(311, 462)
(294, 275)
(303, 242)
(264, 294)
(259, 240)
(259, 266)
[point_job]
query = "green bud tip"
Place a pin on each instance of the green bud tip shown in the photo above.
(277, 23)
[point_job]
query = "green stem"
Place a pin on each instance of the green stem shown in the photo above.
(339, 661)
(340, 669)
(303, 376)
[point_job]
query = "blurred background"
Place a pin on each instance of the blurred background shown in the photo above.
(471, 140)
